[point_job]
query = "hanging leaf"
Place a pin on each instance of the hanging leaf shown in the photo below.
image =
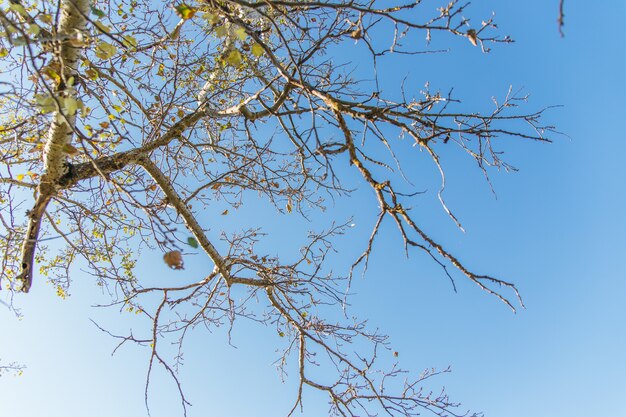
(98, 13)
(19, 9)
(34, 29)
(211, 18)
(241, 34)
(104, 28)
(257, 50)
(105, 50)
(221, 31)
(71, 105)
(92, 74)
(70, 150)
(130, 41)
(45, 18)
(184, 11)
(174, 260)
(46, 103)
(356, 34)
(191, 241)
(472, 36)
(234, 58)
(78, 40)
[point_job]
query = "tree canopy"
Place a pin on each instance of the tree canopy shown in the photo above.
(121, 122)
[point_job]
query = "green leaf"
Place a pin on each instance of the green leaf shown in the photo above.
(191, 241)
(99, 13)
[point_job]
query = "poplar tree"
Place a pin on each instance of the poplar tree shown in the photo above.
(122, 121)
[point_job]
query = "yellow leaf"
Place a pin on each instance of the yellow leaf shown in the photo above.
(20, 177)
(71, 105)
(241, 34)
(19, 9)
(211, 18)
(130, 41)
(78, 40)
(185, 11)
(45, 18)
(257, 50)
(92, 74)
(104, 28)
(34, 29)
(105, 50)
(234, 58)
(3, 52)
(46, 103)
(221, 31)
(70, 150)
(50, 71)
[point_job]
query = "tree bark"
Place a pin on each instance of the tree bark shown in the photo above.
(72, 20)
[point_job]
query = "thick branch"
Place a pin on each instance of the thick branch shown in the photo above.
(188, 217)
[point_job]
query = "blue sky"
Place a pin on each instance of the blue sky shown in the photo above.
(556, 229)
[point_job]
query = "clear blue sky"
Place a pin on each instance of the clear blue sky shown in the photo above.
(556, 229)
